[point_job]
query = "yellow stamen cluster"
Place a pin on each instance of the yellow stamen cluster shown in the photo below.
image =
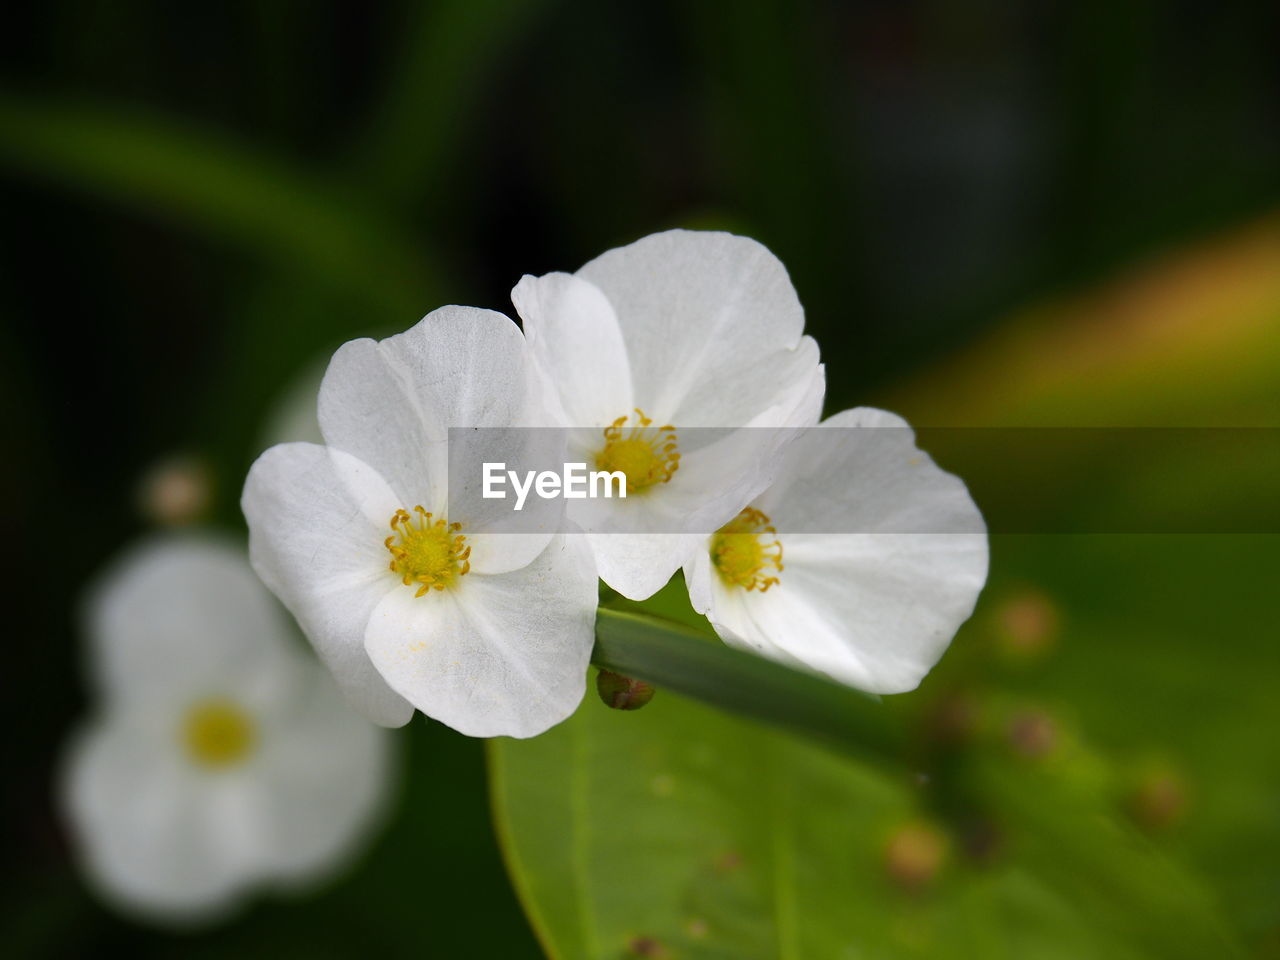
(645, 453)
(427, 551)
(742, 556)
(218, 734)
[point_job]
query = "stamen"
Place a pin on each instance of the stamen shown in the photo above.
(741, 555)
(645, 454)
(429, 551)
(218, 734)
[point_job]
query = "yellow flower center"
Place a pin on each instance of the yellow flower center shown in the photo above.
(427, 551)
(644, 453)
(742, 555)
(218, 734)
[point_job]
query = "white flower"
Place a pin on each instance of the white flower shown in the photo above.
(679, 330)
(411, 605)
(220, 759)
(876, 601)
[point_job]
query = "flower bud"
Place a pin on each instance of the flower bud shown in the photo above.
(915, 854)
(643, 946)
(1159, 798)
(176, 491)
(622, 693)
(953, 720)
(1033, 733)
(1027, 625)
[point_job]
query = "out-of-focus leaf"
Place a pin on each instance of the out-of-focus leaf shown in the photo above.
(1166, 655)
(445, 55)
(765, 126)
(219, 187)
(681, 831)
(1191, 339)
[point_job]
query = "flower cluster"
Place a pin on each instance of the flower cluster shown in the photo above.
(416, 596)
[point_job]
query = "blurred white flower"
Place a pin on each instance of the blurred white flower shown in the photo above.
(679, 330)
(219, 759)
(874, 601)
(489, 632)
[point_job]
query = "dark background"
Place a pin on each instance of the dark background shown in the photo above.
(201, 201)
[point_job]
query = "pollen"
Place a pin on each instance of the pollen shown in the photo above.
(218, 734)
(744, 555)
(427, 551)
(646, 454)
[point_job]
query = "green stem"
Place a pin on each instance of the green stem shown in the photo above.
(674, 657)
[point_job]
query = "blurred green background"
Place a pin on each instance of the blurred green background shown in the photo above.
(995, 214)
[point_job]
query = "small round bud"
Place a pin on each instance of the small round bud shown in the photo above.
(176, 491)
(622, 693)
(1033, 733)
(953, 720)
(981, 840)
(1159, 798)
(1027, 625)
(915, 854)
(643, 946)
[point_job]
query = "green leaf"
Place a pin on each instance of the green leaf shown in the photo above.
(617, 830)
(704, 833)
(685, 831)
(1166, 659)
(1188, 339)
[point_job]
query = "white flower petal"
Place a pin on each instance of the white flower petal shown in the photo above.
(717, 480)
(698, 330)
(467, 367)
(638, 565)
(498, 655)
(640, 541)
(875, 602)
(802, 389)
(179, 614)
(576, 343)
(322, 781)
(155, 835)
(161, 835)
(875, 611)
(368, 409)
(699, 577)
(494, 553)
(391, 403)
(318, 519)
(868, 478)
(165, 823)
(501, 537)
(710, 322)
(725, 606)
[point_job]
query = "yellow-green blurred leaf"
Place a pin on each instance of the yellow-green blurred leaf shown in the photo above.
(1188, 339)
